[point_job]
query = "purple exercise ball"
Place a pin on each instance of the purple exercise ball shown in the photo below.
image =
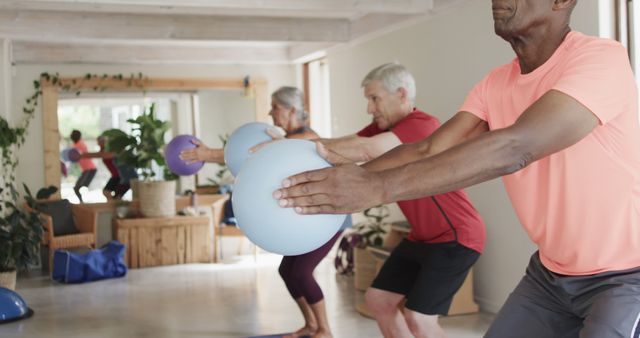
(172, 155)
(73, 154)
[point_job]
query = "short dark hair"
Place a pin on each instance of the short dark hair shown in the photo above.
(76, 135)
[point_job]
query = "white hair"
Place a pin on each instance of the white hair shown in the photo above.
(393, 76)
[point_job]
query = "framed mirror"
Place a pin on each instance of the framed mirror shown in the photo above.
(217, 106)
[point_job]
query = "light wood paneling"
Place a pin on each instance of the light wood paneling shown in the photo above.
(166, 240)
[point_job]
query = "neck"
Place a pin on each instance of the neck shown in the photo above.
(534, 49)
(404, 113)
(295, 127)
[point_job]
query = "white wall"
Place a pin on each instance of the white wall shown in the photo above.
(221, 112)
(5, 94)
(447, 56)
(31, 168)
(5, 77)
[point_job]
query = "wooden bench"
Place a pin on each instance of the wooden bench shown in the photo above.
(463, 302)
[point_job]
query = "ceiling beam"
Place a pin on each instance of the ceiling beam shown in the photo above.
(71, 26)
(321, 8)
(305, 52)
(372, 25)
(34, 52)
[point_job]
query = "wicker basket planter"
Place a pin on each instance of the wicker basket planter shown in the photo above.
(157, 198)
(8, 280)
(134, 188)
(364, 268)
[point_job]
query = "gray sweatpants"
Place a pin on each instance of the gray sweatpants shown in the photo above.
(548, 305)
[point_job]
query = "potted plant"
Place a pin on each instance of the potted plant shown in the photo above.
(20, 228)
(142, 149)
(21, 232)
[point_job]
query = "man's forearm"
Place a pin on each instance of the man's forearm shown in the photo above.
(215, 155)
(349, 147)
(487, 157)
(396, 157)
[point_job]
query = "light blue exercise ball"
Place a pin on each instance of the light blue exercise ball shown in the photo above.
(236, 151)
(263, 221)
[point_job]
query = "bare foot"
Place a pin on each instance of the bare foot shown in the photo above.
(322, 333)
(305, 331)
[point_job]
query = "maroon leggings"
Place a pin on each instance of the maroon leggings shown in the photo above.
(297, 272)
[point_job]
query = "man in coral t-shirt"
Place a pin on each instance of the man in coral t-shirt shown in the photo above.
(86, 164)
(560, 123)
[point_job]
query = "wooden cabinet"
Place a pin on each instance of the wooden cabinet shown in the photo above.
(166, 240)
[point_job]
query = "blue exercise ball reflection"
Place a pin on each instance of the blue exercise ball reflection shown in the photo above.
(263, 221)
(12, 306)
(64, 155)
(236, 151)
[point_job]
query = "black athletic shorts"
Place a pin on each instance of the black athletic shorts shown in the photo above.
(85, 179)
(112, 183)
(427, 274)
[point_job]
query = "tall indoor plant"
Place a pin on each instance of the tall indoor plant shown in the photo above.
(141, 149)
(20, 228)
(20, 236)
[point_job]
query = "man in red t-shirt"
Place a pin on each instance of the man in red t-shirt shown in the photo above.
(447, 233)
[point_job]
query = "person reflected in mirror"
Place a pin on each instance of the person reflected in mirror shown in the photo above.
(86, 164)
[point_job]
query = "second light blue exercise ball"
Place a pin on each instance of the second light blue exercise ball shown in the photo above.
(236, 151)
(263, 221)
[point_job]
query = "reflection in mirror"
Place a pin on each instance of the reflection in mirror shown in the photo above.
(183, 102)
(92, 116)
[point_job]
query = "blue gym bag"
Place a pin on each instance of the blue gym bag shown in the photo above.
(106, 262)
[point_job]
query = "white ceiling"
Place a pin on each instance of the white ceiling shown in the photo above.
(197, 31)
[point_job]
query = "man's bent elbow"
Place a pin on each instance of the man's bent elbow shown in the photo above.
(521, 162)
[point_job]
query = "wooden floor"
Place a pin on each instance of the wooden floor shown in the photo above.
(238, 298)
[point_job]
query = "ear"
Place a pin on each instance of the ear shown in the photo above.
(402, 92)
(563, 4)
(292, 113)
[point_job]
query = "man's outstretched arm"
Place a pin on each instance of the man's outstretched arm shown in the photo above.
(554, 122)
(354, 148)
(461, 127)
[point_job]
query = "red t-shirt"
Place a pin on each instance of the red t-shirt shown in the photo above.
(426, 216)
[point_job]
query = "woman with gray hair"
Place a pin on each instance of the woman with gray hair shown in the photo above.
(287, 112)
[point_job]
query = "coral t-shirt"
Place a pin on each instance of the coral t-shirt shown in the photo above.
(580, 205)
(441, 218)
(84, 163)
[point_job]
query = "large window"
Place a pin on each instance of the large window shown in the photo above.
(316, 78)
(620, 20)
(626, 25)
